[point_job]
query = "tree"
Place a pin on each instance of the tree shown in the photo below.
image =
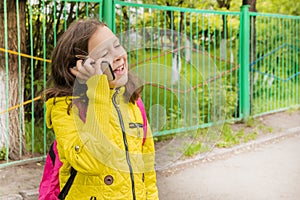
(14, 27)
(287, 7)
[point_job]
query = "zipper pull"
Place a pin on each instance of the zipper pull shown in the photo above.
(139, 133)
(118, 90)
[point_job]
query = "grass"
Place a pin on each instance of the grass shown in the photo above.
(192, 149)
(232, 135)
(228, 137)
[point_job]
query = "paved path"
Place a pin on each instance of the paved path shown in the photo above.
(268, 172)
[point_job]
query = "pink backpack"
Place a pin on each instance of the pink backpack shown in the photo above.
(49, 187)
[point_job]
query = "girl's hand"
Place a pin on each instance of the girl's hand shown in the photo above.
(85, 69)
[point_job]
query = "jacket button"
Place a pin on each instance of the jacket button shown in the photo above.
(77, 148)
(108, 180)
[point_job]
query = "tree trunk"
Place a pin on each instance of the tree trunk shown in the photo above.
(252, 8)
(223, 46)
(15, 118)
(253, 32)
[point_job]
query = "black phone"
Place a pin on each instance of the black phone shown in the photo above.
(107, 70)
(105, 67)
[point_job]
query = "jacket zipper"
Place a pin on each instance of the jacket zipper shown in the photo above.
(125, 141)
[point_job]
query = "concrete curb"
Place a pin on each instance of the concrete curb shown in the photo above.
(216, 154)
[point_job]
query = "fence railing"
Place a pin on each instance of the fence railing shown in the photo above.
(187, 62)
(198, 67)
(274, 63)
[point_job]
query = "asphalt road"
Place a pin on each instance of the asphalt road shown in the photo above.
(267, 172)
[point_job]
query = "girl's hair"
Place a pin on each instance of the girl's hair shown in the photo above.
(75, 42)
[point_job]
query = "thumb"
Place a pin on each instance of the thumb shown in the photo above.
(97, 67)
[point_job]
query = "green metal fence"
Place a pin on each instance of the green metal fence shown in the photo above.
(198, 67)
(188, 60)
(274, 64)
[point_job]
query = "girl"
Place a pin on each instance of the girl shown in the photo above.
(106, 150)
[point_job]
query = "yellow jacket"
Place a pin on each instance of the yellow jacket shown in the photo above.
(106, 150)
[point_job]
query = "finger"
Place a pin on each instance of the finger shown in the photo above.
(89, 66)
(97, 66)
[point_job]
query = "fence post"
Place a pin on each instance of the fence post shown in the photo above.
(244, 82)
(109, 14)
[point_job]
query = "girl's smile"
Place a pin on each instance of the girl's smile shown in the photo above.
(120, 70)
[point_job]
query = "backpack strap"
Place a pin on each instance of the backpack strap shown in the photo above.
(141, 106)
(52, 152)
(64, 192)
(82, 109)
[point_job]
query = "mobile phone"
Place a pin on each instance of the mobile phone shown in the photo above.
(107, 70)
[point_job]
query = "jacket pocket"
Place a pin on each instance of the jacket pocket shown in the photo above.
(138, 127)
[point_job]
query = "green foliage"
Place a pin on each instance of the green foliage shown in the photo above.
(200, 87)
(273, 76)
(228, 138)
(250, 136)
(288, 7)
(35, 140)
(2, 153)
(250, 122)
(265, 129)
(240, 134)
(192, 149)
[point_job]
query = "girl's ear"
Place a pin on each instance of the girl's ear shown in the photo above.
(73, 71)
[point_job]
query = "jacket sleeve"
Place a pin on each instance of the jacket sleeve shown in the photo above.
(84, 145)
(150, 174)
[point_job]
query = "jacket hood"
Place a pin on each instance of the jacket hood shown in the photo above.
(50, 103)
(49, 106)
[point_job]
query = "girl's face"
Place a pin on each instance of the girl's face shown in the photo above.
(105, 46)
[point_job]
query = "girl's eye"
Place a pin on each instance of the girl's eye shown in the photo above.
(117, 45)
(104, 55)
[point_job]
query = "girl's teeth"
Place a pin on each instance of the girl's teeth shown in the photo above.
(119, 68)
